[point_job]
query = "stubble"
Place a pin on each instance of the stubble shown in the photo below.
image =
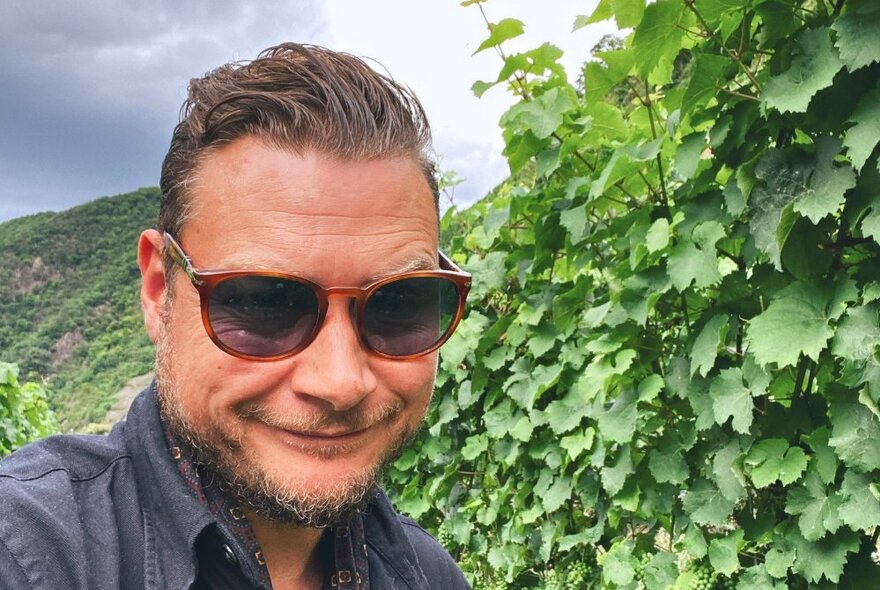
(221, 452)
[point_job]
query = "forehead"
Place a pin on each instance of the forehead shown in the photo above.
(264, 206)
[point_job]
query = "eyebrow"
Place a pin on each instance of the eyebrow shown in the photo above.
(409, 265)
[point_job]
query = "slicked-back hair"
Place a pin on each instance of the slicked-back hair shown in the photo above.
(296, 97)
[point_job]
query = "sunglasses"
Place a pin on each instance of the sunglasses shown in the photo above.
(266, 316)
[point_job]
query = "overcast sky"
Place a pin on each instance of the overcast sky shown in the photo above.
(92, 88)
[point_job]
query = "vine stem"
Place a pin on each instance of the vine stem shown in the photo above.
(650, 105)
(799, 380)
(730, 54)
(523, 90)
(740, 263)
(684, 308)
(814, 367)
(738, 94)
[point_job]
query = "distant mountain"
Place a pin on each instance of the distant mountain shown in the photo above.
(69, 304)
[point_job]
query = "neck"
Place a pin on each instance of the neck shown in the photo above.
(293, 554)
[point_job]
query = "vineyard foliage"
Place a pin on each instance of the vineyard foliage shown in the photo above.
(70, 312)
(24, 413)
(669, 374)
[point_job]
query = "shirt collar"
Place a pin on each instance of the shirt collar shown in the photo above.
(179, 509)
(173, 517)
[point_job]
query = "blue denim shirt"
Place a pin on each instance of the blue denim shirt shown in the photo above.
(95, 512)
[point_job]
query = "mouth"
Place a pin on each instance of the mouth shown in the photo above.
(324, 436)
(322, 443)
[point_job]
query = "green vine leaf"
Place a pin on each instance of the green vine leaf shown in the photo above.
(815, 64)
(827, 184)
(695, 260)
(668, 466)
(626, 13)
(705, 74)
(796, 322)
(853, 435)
(618, 422)
(824, 460)
(614, 475)
(658, 36)
(500, 32)
(541, 116)
(858, 36)
(705, 349)
(706, 505)
(825, 557)
(724, 552)
(727, 472)
(861, 139)
(858, 334)
(757, 578)
(860, 509)
(819, 512)
(732, 399)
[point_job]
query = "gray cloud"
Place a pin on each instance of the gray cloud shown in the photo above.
(91, 89)
(479, 165)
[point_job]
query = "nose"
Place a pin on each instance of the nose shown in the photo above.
(334, 367)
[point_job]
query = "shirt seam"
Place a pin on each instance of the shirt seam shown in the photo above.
(415, 525)
(390, 563)
(65, 470)
(17, 562)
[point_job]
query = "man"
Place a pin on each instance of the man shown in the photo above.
(297, 298)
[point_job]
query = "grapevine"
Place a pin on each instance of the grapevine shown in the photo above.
(674, 326)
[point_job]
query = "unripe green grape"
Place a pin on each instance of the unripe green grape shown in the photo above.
(444, 537)
(552, 580)
(576, 576)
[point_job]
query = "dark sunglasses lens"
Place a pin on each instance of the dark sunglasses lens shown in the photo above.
(262, 316)
(409, 316)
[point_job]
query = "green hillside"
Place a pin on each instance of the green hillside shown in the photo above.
(69, 309)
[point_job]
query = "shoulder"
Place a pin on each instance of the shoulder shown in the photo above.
(60, 480)
(439, 567)
(56, 494)
(69, 458)
(408, 550)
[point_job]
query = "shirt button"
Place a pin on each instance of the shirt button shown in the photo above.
(229, 555)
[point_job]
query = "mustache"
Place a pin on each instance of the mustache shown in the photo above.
(351, 420)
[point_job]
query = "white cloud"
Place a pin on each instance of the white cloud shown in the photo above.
(430, 46)
(92, 88)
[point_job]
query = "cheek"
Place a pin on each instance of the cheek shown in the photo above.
(412, 381)
(205, 376)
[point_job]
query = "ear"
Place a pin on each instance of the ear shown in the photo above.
(152, 264)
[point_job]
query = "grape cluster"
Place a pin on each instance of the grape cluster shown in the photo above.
(708, 579)
(643, 561)
(704, 577)
(497, 584)
(577, 576)
(445, 537)
(552, 580)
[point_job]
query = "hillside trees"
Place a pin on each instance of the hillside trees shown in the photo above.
(669, 374)
(69, 307)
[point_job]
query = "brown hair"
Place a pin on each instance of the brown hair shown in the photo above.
(296, 97)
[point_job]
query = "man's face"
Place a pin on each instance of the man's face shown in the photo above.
(308, 434)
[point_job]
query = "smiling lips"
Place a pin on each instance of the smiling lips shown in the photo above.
(327, 435)
(324, 444)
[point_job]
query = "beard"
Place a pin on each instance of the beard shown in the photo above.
(220, 451)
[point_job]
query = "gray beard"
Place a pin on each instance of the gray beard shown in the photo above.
(228, 464)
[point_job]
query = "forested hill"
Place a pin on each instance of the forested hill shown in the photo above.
(69, 308)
